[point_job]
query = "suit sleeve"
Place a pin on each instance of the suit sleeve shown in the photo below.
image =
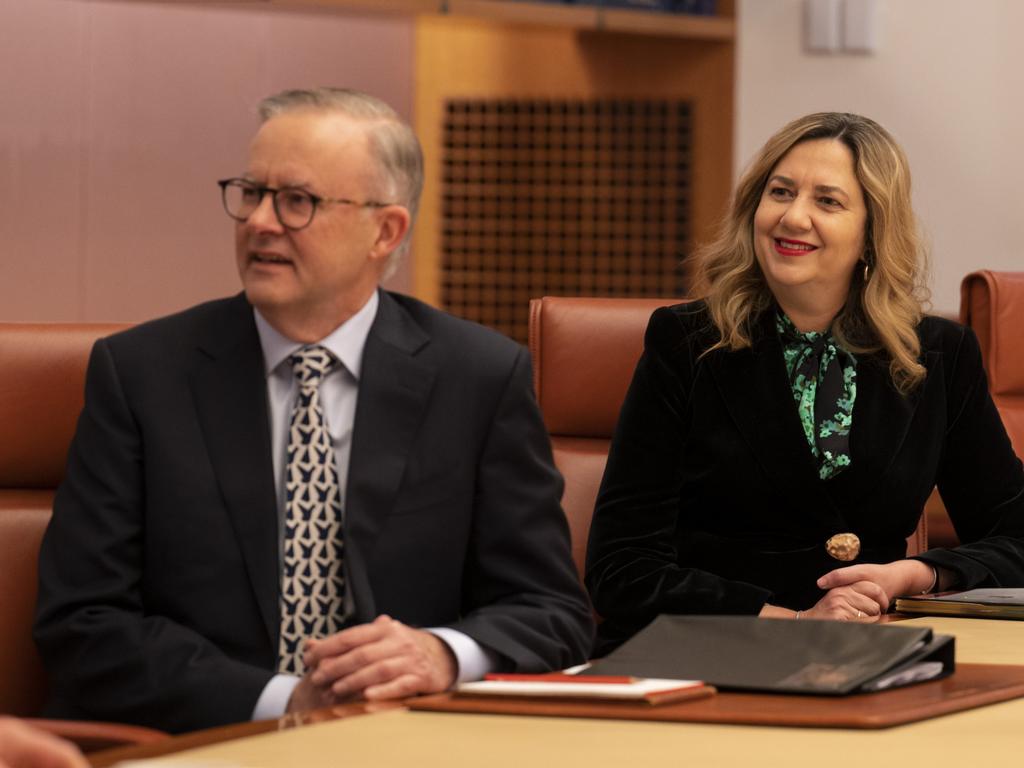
(633, 571)
(522, 596)
(981, 481)
(107, 658)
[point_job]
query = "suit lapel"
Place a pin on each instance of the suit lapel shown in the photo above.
(230, 394)
(755, 388)
(881, 421)
(756, 391)
(394, 387)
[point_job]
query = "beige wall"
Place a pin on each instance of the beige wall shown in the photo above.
(947, 81)
(116, 118)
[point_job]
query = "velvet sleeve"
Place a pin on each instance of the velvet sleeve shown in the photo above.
(981, 480)
(633, 572)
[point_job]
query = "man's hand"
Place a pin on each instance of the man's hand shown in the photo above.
(307, 695)
(24, 747)
(381, 660)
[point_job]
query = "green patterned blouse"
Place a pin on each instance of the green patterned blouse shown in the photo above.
(823, 377)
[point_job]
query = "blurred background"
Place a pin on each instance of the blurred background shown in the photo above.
(571, 148)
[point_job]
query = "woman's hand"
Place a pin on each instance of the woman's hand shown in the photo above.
(856, 601)
(859, 591)
(859, 601)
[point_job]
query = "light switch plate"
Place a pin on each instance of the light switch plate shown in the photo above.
(822, 19)
(860, 26)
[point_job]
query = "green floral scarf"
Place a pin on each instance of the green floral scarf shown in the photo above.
(823, 377)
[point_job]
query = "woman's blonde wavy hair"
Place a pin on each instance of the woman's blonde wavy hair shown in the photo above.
(882, 312)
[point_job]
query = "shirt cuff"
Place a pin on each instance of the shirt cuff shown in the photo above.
(474, 661)
(274, 700)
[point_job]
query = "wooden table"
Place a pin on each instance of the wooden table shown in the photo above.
(992, 735)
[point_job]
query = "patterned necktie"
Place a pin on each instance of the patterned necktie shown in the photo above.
(313, 581)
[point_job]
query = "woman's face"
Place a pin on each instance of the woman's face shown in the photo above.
(809, 226)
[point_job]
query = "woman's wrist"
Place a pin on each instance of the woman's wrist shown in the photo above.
(769, 611)
(935, 580)
(924, 578)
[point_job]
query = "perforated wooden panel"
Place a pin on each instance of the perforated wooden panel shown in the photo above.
(569, 198)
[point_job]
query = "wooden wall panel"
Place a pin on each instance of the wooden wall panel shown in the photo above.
(568, 197)
(462, 61)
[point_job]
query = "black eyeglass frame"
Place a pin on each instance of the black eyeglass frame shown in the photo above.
(263, 190)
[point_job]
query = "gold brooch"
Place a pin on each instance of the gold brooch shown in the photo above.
(843, 546)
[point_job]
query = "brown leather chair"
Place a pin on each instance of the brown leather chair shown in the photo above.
(584, 351)
(992, 304)
(42, 373)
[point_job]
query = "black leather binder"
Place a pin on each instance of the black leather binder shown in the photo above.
(782, 656)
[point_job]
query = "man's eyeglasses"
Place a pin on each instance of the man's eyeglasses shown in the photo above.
(294, 207)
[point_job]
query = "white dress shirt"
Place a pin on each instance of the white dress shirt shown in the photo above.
(339, 391)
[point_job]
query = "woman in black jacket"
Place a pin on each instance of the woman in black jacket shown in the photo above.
(781, 435)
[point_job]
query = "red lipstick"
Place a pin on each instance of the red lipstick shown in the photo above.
(787, 247)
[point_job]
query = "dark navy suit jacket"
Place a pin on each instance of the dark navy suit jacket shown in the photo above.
(159, 574)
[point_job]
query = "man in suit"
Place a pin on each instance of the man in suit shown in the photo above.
(316, 489)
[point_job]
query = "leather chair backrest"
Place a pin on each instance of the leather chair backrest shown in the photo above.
(23, 519)
(992, 304)
(584, 352)
(42, 374)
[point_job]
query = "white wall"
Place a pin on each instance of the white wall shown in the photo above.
(947, 81)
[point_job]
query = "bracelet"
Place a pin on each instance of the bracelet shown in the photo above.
(935, 579)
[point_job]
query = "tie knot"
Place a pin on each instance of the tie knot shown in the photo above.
(312, 363)
(820, 344)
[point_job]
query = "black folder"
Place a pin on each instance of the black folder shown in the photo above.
(782, 655)
(986, 603)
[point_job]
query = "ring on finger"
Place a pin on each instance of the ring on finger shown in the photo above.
(860, 614)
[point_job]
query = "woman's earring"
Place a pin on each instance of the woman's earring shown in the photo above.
(867, 271)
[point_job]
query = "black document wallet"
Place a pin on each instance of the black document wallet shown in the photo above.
(782, 655)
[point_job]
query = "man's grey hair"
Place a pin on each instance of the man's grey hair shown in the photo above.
(396, 147)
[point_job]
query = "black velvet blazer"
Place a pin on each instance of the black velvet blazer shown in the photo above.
(711, 501)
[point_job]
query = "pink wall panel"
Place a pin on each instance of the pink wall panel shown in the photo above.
(128, 112)
(41, 159)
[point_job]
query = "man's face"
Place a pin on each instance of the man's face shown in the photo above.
(306, 282)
